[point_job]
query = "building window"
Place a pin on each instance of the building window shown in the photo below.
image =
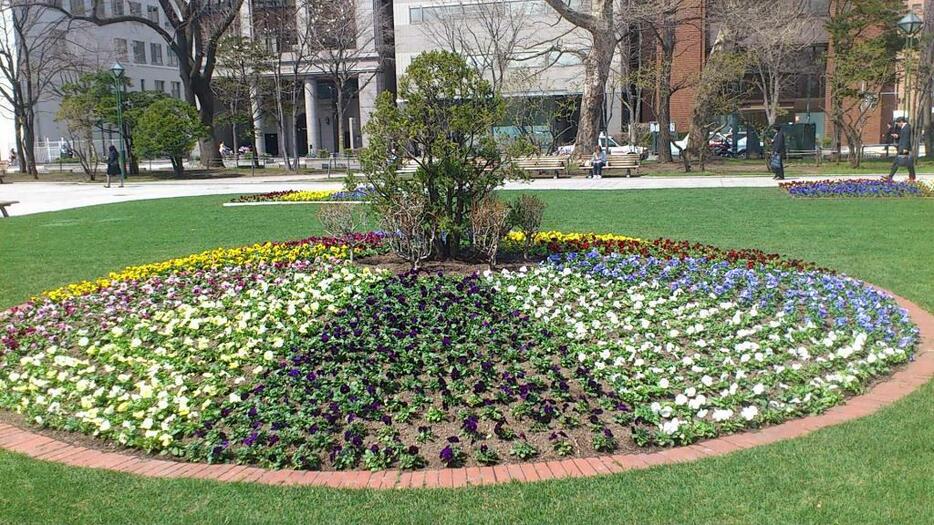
(415, 15)
(136, 9)
(172, 58)
(76, 7)
(139, 52)
(120, 49)
(142, 84)
(117, 7)
(160, 85)
(152, 13)
(177, 89)
(155, 54)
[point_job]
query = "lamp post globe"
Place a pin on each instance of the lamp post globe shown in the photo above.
(910, 24)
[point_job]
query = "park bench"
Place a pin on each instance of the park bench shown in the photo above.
(248, 163)
(407, 170)
(805, 153)
(4, 205)
(617, 163)
(540, 166)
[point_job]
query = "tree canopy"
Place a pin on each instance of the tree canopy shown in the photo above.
(444, 127)
(171, 128)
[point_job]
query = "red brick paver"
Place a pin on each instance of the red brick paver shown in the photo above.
(898, 386)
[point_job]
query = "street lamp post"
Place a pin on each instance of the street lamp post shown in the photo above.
(118, 71)
(910, 25)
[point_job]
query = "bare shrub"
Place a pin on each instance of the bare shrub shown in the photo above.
(525, 214)
(410, 230)
(344, 221)
(488, 221)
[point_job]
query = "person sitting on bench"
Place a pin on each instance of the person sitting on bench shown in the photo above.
(597, 162)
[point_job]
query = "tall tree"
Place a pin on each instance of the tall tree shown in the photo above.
(862, 55)
(33, 55)
(241, 64)
(778, 52)
(663, 20)
(601, 24)
(341, 36)
(287, 45)
(925, 119)
(716, 93)
(193, 31)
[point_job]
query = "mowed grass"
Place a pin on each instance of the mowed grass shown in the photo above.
(879, 469)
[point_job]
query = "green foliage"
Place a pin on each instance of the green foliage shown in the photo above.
(445, 128)
(171, 128)
(864, 45)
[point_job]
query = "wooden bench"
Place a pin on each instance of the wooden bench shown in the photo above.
(248, 163)
(3, 207)
(407, 170)
(626, 161)
(553, 166)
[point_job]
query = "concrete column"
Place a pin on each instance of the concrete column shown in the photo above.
(311, 118)
(246, 19)
(257, 121)
(367, 100)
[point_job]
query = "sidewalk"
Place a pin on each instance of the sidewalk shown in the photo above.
(38, 197)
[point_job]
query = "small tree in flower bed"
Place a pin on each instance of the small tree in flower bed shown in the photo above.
(488, 222)
(410, 229)
(344, 221)
(525, 214)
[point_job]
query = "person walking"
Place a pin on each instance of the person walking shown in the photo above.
(597, 162)
(903, 155)
(776, 161)
(113, 164)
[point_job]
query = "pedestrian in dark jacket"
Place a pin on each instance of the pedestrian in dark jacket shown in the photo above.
(113, 163)
(777, 162)
(904, 155)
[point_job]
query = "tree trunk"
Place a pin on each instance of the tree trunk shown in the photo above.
(664, 98)
(293, 139)
(596, 73)
(855, 142)
(340, 117)
(28, 159)
(200, 90)
(178, 166)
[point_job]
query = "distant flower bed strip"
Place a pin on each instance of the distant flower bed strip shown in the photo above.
(858, 188)
(359, 194)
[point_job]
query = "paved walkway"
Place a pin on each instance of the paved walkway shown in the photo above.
(903, 382)
(37, 197)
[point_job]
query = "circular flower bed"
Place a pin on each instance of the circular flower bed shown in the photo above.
(284, 355)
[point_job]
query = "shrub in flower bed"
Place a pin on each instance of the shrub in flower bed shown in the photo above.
(857, 188)
(357, 195)
(329, 365)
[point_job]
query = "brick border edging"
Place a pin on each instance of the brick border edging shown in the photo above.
(900, 384)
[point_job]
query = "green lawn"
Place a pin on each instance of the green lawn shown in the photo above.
(878, 469)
